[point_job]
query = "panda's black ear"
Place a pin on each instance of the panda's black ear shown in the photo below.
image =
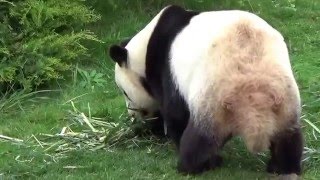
(118, 54)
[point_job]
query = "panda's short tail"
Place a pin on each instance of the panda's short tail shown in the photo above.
(256, 120)
(257, 134)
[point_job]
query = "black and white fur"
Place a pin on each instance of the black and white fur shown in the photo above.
(164, 67)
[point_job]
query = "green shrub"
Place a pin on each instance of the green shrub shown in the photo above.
(90, 79)
(40, 39)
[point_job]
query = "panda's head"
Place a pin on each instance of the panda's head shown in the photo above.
(130, 78)
(130, 68)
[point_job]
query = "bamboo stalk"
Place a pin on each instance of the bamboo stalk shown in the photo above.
(10, 138)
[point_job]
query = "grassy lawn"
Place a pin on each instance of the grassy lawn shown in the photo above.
(298, 20)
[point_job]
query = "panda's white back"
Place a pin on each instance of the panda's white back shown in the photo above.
(192, 63)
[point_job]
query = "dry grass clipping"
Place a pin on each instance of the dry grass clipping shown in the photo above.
(84, 132)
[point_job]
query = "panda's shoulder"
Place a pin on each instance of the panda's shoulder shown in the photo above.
(173, 18)
(169, 23)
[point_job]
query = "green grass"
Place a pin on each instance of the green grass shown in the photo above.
(298, 20)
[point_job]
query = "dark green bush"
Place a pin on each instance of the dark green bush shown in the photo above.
(40, 39)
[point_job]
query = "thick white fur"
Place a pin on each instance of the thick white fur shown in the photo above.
(192, 49)
(206, 58)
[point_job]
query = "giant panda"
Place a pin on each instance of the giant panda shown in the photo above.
(214, 75)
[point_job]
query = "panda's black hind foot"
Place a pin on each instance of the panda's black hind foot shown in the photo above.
(286, 153)
(272, 167)
(197, 168)
(198, 151)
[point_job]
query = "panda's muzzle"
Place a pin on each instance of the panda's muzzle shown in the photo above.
(141, 111)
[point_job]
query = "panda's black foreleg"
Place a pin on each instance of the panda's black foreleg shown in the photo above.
(157, 125)
(198, 151)
(175, 115)
(286, 153)
(175, 131)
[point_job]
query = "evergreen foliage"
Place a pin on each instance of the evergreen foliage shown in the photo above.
(40, 39)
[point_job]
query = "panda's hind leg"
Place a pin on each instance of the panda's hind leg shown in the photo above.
(286, 152)
(198, 151)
